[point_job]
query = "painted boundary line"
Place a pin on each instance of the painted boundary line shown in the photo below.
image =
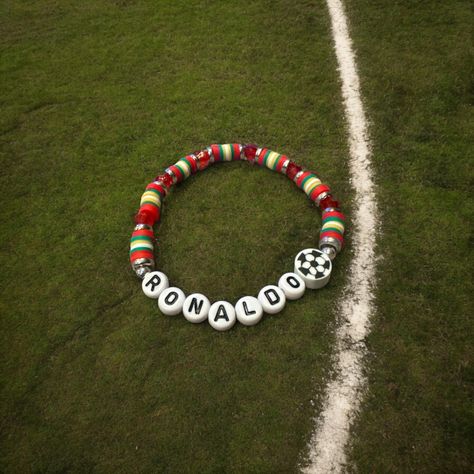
(343, 393)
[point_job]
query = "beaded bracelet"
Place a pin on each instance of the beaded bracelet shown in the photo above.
(312, 267)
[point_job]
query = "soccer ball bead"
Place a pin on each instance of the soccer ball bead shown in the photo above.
(314, 267)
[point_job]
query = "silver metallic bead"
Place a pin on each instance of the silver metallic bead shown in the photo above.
(326, 240)
(257, 153)
(211, 155)
(142, 271)
(240, 150)
(329, 250)
(142, 266)
(193, 157)
(285, 166)
(242, 154)
(173, 176)
(298, 175)
(320, 197)
(143, 227)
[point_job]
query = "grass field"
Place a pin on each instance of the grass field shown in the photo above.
(418, 82)
(97, 98)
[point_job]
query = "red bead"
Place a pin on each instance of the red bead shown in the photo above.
(203, 159)
(166, 179)
(327, 202)
(144, 218)
(292, 170)
(250, 151)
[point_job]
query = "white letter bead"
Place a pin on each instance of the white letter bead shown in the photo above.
(154, 283)
(221, 315)
(171, 301)
(272, 299)
(196, 308)
(249, 311)
(314, 267)
(292, 285)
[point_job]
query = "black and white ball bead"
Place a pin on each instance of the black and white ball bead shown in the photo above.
(314, 267)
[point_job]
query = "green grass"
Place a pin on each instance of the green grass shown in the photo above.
(100, 96)
(416, 62)
(97, 98)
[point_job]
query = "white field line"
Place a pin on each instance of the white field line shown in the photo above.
(343, 393)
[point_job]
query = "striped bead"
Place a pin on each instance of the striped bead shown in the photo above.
(150, 202)
(141, 244)
(192, 162)
(300, 177)
(179, 171)
(226, 152)
(310, 183)
(270, 159)
(151, 196)
(159, 188)
(185, 167)
(317, 191)
(280, 165)
(333, 226)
